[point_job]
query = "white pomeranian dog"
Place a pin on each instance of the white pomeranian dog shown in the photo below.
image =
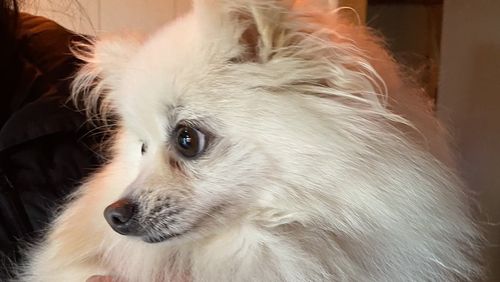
(261, 141)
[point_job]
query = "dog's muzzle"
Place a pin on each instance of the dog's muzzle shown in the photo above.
(121, 216)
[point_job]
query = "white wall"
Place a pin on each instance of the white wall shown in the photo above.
(469, 98)
(105, 16)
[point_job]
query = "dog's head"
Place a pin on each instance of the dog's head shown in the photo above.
(239, 109)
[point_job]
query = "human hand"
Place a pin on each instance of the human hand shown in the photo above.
(100, 278)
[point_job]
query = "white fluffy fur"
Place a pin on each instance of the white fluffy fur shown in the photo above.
(328, 163)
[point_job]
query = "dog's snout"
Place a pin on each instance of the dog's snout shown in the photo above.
(120, 216)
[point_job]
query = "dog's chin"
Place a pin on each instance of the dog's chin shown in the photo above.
(152, 239)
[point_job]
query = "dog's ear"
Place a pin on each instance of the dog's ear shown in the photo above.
(260, 25)
(104, 63)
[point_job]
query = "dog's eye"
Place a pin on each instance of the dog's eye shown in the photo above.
(189, 141)
(144, 148)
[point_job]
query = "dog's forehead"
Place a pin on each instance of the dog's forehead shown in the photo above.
(176, 65)
(165, 85)
(183, 74)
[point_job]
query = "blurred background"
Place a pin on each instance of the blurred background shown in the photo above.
(451, 46)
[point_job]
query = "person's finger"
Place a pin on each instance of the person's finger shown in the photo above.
(100, 278)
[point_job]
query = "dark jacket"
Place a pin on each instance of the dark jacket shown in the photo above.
(46, 146)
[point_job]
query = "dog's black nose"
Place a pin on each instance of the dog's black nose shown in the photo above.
(120, 216)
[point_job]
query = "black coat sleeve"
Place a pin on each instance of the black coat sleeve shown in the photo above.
(46, 147)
